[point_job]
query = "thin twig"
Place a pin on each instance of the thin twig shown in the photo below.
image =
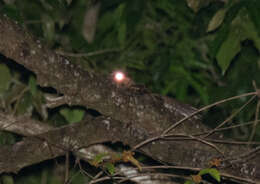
(249, 153)
(104, 179)
(223, 174)
(191, 137)
(83, 171)
(145, 142)
(99, 52)
(154, 174)
(67, 163)
(256, 116)
(233, 142)
(237, 125)
(191, 115)
(209, 144)
(205, 108)
(231, 116)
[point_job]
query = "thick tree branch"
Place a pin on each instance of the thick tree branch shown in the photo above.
(129, 105)
(57, 142)
(28, 127)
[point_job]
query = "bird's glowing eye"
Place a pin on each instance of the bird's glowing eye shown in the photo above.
(119, 76)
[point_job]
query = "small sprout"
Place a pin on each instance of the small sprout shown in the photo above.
(128, 157)
(196, 178)
(116, 158)
(215, 162)
(108, 160)
(110, 167)
(99, 158)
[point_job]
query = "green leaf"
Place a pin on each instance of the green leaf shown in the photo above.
(105, 22)
(217, 20)
(33, 85)
(229, 49)
(11, 10)
(204, 171)
(122, 35)
(38, 103)
(7, 138)
(249, 28)
(90, 22)
(119, 13)
(24, 105)
(7, 179)
(254, 13)
(110, 167)
(189, 79)
(149, 39)
(72, 115)
(196, 5)
(37, 98)
(5, 78)
(12, 94)
(212, 172)
(222, 35)
(48, 27)
(99, 158)
(121, 24)
(189, 182)
(242, 28)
